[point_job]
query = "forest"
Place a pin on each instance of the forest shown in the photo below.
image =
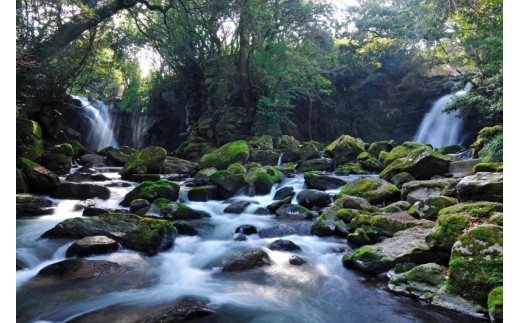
(194, 137)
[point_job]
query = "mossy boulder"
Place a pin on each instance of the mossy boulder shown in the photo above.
(21, 184)
(132, 231)
(264, 142)
(318, 164)
(202, 193)
(264, 157)
(232, 152)
(354, 202)
(452, 149)
(193, 149)
(382, 225)
(416, 191)
(429, 208)
(421, 163)
(481, 187)
(137, 206)
(377, 147)
(319, 181)
(495, 304)
(38, 178)
(374, 190)
(484, 136)
(29, 142)
(311, 197)
(28, 204)
(236, 168)
(58, 159)
(481, 210)
(369, 162)
(423, 281)
(264, 178)
(144, 177)
(344, 149)
(399, 152)
(174, 165)
(488, 167)
(151, 191)
(347, 215)
(359, 237)
(401, 178)
(476, 263)
(117, 157)
(273, 207)
(287, 142)
(202, 176)
(75, 191)
(147, 161)
(293, 212)
(350, 168)
(323, 227)
(78, 148)
(310, 150)
(229, 184)
(166, 209)
(398, 206)
(447, 231)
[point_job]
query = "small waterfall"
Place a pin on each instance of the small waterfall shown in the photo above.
(441, 129)
(280, 163)
(100, 134)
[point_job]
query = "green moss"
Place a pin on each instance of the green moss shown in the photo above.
(21, 185)
(151, 191)
(236, 168)
(261, 142)
(477, 209)
(383, 156)
(448, 229)
(377, 147)
(431, 274)
(410, 163)
(429, 208)
(400, 151)
(484, 136)
(351, 168)
(495, 298)
(374, 190)
(322, 227)
(147, 161)
(275, 173)
(29, 143)
(359, 237)
(348, 215)
(78, 148)
(497, 218)
(488, 167)
(450, 149)
(232, 152)
(344, 149)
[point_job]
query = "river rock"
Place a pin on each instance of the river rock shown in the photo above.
(38, 178)
(151, 191)
(448, 229)
(93, 160)
(79, 269)
(202, 193)
(293, 212)
(178, 312)
(296, 261)
(384, 225)
(482, 210)
(249, 260)
(264, 157)
(117, 157)
(79, 149)
(495, 304)
(377, 147)
(344, 149)
(246, 229)
(283, 193)
(202, 177)
(416, 191)
(232, 152)
(138, 204)
(423, 281)
(29, 143)
(287, 142)
(73, 191)
(316, 180)
(283, 245)
(311, 197)
(147, 161)
(164, 208)
(430, 207)
(374, 190)
(83, 205)
(476, 263)
(184, 228)
(229, 184)
(421, 163)
(58, 159)
(173, 165)
(88, 176)
(369, 162)
(318, 164)
(237, 207)
(277, 230)
(132, 231)
(273, 207)
(21, 184)
(359, 237)
(323, 226)
(310, 150)
(261, 142)
(349, 169)
(28, 204)
(401, 178)
(397, 207)
(481, 187)
(144, 178)
(94, 245)
(92, 211)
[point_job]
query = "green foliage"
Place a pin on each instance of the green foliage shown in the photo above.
(493, 149)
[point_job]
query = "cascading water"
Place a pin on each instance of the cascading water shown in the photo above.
(101, 132)
(441, 129)
(280, 162)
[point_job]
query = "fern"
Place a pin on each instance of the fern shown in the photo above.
(493, 149)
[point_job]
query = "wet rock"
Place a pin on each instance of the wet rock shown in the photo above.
(151, 191)
(429, 208)
(28, 204)
(423, 281)
(262, 211)
(29, 143)
(359, 237)
(229, 184)
(239, 237)
(147, 161)
(283, 245)
(92, 211)
(344, 149)
(202, 193)
(416, 191)
(277, 230)
(84, 204)
(79, 269)
(315, 180)
(58, 159)
(94, 245)
(264, 157)
(144, 177)
(323, 227)
(21, 184)
(311, 197)
(132, 231)
(20, 264)
(38, 178)
(164, 208)
(173, 165)
(378, 146)
(283, 193)
(261, 142)
(232, 152)
(421, 163)
(293, 212)
(138, 204)
(369, 162)
(481, 187)
(401, 178)
(398, 206)
(318, 164)
(80, 176)
(178, 312)
(246, 229)
(448, 229)
(75, 191)
(249, 260)
(237, 207)
(296, 261)
(273, 207)
(92, 159)
(374, 190)
(184, 228)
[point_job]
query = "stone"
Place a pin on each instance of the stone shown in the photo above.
(81, 205)
(93, 245)
(369, 162)
(429, 208)
(93, 176)
(151, 191)
(344, 149)
(488, 167)
(239, 237)
(283, 193)
(264, 157)
(147, 161)
(78, 148)
(79, 269)
(483, 137)
(181, 311)
(21, 184)
(318, 164)
(398, 206)
(316, 180)
(481, 187)
(132, 231)
(202, 193)
(28, 204)
(447, 231)
(173, 165)
(296, 261)
(377, 147)
(495, 304)
(482, 210)
(423, 282)
(185, 229)
(261, 142)
(283, 245)
(350, 168)
(310, 198)
(38, 178)
(416, 191)
(359, 237)
(138, 204)
(323, 227)
(374, 190)
(166, 209)
(246, 229)
(421, 163)
(277, 230)
(249, 260)
(229, 184)
(144, 177)
(237, 207)
(293, 212)
(401, 178)
(74, 191)
(232, 152)
(273, 207)
(58, 159)
(93, 160)
(29, 142)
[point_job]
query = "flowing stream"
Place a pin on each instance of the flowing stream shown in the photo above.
(320, 291)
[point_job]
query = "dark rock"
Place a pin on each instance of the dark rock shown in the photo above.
(178, 312)
(151, 191)
(293, 212)
(277, 230)
(229, 184)
(319, 164)
(79, 269)
(232, 152)
(58, 159)
(173, 165)
(29, 143)
(38, 178)
(296, 261)
(237, 207)
(239, 237)
(21, 184)
(401, 178)
(249, 260)
(284, 192)
(184, 228)
(246, 229)
(202, 193)
(84, 204)
(20, 264)
(421, 163)
(144, 177)
(164, 208)
(322, 227)
(147, 161)
(92, 159)
(27, 204)
(262, 211)
(86, 177)
(75, 191)
(273, 207)
(373, 189)
(94, 245)
(315, 180)
(283, 245)
(423, 282)
(344, 149)
(92, 211)
(138, 204)
(311, 197)
(264, 157)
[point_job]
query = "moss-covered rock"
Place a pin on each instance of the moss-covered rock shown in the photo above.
(29, 143)
(174, 165)
(310, 150)
(78, 148)
(229, 184)
(193, 149)
(151, 191)
(351, 168)
(374, 190)
(293, 212)
(58, 159)
(421, 163)
(481, 210)
(359, 237)
(377, 147)
(399, 152)
(164, 208)
(415, 191)
(481, 187)
(401, 178)
(287, 142)
(447, 231)
(369, 162)
(488, 167)
(319, 181)
(312, 197)
(423, 281)
(476, 263)
(117, 157)
(264, 157)
(236, 168)
(398, 206)
(147, 161)
(132, 231)
(344, 149)
(21, 185)
(318, 164)
(484, 135)
(347, 215)
(75, 191)
(382, 225)
(323, 227)
(495, 304)
(264, 142)
(429, 208)
(202, 193)
(453, 149)
(38, 178)
(202, 176)
(354, 202)
(232, 152)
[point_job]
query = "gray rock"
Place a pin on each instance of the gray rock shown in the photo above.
(92, 245)
(79, 269)
(293, 212)
(75, 191)
(283, 193)
(296, 261)
(481, 187)
(310, 197)
(283, 245)
(237, 207)
(249, 260)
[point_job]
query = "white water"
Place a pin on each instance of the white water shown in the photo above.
(101, 133)
(320, 291)
(279, 164)
(441, 129)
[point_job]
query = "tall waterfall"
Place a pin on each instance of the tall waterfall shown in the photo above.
(441, 129)
(100, 134)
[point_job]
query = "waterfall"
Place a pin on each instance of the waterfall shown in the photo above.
(441, 129)
(100, 133)
(280, 163)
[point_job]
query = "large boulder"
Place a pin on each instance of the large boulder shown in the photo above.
(481, 187)
(344, 149)
(476, 263)
(423, 281)
(319, 164)
(377, 147)
(87, 175)
(132, 231)
(495, 304)
(311, 197)
(58, 159)
(147, 161)
(310, 150)
(151, 191)
(448, 229)
(95, 245)
(28, 204)
(229, 184)
(350, 168)
(482, 210)
(416, 191)
(264, 157)
(379, 226)
(21, 184)
(264, 142)
(421, 163)
(374, 190)
(79, 269)
(117, 157)
(293, 212)
(283, 245)
(173, 165)
(264, 178)
(29, 143)
(38, 178)
(74, 191)
(249, 260)
(484, 136)
(319, 181)
(284, 193)
(202, 193)
(429, 208)
(398, 152)
(369, 162)
(193, 149)
(232, 152)
(166, 209)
